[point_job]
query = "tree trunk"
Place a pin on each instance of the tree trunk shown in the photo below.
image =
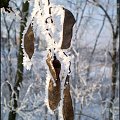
(19, 74)
(114, 79)
(114, 64)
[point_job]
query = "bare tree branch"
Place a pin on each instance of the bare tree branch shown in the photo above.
(18, 8)
(86, 116)
(98, 36)
(35, 108)
(115, 33)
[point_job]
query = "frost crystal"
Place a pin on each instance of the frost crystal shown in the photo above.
(27, 62)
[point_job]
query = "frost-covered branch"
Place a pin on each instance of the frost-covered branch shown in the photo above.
(33, 109)
(86, 116)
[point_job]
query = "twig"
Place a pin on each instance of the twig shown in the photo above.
(86, 115)
(80, 20)
(18, 8)
(98, 36)
(108, 17)
(71, 2)
(30, 110)
(82, 16)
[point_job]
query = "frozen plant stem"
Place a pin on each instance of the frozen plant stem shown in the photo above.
(19, 74)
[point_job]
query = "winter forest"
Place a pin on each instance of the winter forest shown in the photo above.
(60, 59)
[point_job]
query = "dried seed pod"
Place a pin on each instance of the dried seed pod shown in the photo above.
(57, 66)
(54, 94)
(54, 91)
(69, 21)
(51, 68)
(29, 42)
(68, 113)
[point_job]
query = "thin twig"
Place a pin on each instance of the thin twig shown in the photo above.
(108, 17)
(30, 110)
(18, 8)
(86, 116)
(5, 22)
(11, 24)
(81, 16)
(95, 45)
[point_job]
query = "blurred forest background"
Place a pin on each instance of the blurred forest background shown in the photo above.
(94, 81)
